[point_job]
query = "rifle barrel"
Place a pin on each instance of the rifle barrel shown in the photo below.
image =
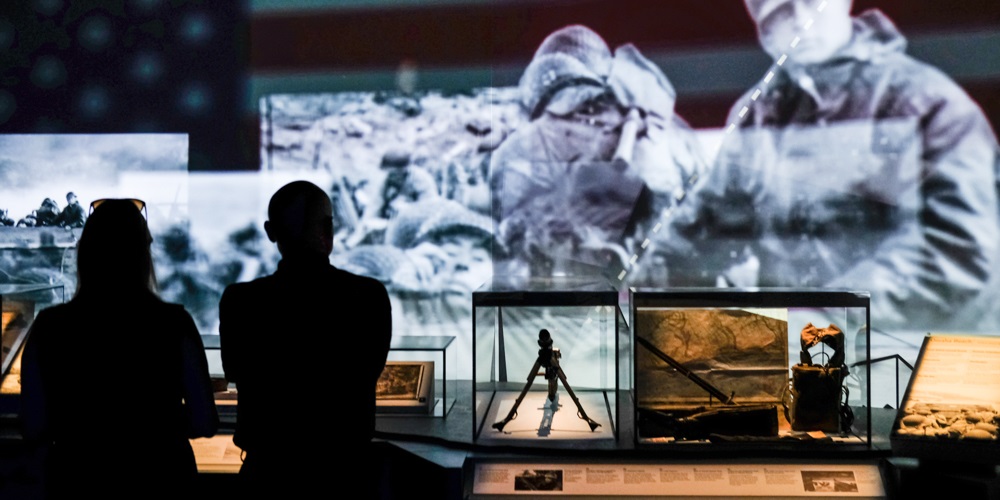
(704, 384)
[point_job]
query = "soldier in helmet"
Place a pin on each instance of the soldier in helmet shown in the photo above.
(603, 151)
(72, 215)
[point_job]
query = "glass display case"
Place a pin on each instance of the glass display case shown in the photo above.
(428, 360)
(225, 391)
(20, 305)
(549, 359)
(773, 367)
(419, 377)
(951, 409)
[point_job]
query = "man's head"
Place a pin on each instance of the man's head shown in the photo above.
(70, 198)
(300, 220)
(568, 68)
(817, 28)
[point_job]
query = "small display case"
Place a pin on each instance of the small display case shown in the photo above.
(549, 359)
(20, 305)
(419, 378)
(951, 409)
(765, 367)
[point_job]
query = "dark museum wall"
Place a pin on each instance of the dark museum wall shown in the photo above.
(200, 67)
(98, 66)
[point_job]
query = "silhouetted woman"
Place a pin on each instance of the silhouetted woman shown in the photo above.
(116, 379)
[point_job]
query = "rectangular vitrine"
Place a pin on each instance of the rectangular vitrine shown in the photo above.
(778, 368)
(550, 357)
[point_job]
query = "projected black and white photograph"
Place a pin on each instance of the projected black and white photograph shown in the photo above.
(436, 192)
(409, 181)
(579, 186)
(849, 164)
(222, 241)
(207, 227)
(50, 180)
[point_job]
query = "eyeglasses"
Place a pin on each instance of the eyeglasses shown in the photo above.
(139, 204)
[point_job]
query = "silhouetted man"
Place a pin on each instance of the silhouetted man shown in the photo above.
(305, 347)
(72, 215)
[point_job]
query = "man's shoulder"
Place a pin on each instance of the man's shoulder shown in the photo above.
(327, 275)
(57, 312)
(248, 286)
(910, 75)
(917, 88)
(243, 294)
